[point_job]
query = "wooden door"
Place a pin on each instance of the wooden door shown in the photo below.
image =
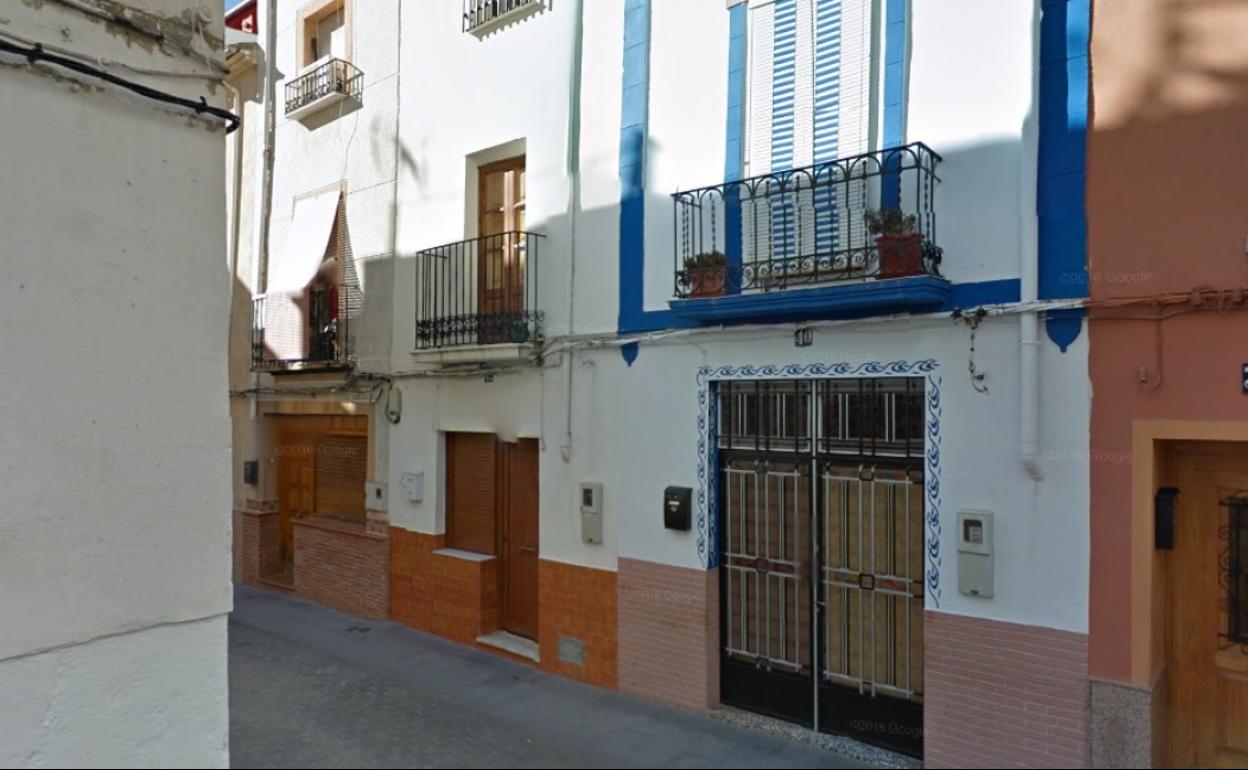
(519, 506)
(1206, 667)
(500, 249)
(297, 496)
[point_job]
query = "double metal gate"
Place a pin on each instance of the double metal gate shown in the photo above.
(821, 541)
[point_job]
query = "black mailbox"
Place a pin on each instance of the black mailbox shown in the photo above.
(676, 508)
(251, 472)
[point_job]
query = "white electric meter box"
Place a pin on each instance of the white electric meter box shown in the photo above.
(975, 553)
(374, 496)
(413, 484)
(591, 512)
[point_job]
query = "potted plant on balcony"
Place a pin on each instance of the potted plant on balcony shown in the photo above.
(705, 273)
(898, 243)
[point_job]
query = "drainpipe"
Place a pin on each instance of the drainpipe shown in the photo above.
(574, 175)
(264, 201)
(236, 205)
(1029, 322)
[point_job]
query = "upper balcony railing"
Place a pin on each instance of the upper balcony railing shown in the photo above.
(480, 291)
(483, 16)
(867, 217)
(309, 330)
(332, 80)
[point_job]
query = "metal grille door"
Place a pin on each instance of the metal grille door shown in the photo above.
(821, 527)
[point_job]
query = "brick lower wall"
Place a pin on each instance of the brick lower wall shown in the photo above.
(1003, 694)
(669, 633)
(343, 568)
(257, 541)
(578, 603)
(444, 595)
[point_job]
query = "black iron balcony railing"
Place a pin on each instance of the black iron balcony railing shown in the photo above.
(480, 13)
(302, 331)
(334, 76)
(867, 217)
(481, 291)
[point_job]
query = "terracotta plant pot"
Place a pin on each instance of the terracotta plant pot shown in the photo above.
(900, 255)
(706, 281)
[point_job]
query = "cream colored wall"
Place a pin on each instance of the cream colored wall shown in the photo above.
(114, 437)
(345, 144)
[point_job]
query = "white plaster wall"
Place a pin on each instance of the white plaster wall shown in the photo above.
(152, 698)
(688, 123)
(973, 98)
(347, 143)
(114, 435)
(464, 96)
(518, 403)
(1041, 533)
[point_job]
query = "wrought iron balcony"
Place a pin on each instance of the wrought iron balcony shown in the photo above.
(484, 16)
(481, 291)
(303, 331)
(329, 82)
(861, 219)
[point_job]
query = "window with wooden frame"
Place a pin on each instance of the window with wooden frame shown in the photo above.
(323, 28)
(471, 492)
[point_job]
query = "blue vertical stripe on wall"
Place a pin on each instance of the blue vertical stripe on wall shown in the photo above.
(634, 127)
(633, 119)
(896, 36)
(1062, 158)
(734, 152)
(1061, 180)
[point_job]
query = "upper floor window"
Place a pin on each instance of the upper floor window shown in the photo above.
(324, 32)
(811, 85)
(326, 75)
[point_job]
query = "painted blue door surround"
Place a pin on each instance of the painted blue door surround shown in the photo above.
(1063, 111)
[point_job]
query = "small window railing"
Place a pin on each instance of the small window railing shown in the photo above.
(334, 76)
(481, 15)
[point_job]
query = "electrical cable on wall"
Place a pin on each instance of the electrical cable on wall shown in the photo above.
(37, 53)
(973, 320)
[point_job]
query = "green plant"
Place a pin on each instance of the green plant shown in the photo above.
(892, 222)
(706, 260)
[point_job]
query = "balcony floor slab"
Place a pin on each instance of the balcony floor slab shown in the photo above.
(846, 300)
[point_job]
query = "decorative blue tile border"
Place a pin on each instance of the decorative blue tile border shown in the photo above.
(707, 506)
(932, 480)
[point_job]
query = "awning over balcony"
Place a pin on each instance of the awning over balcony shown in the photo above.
(306, 241)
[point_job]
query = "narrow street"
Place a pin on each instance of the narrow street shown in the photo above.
(311, 687)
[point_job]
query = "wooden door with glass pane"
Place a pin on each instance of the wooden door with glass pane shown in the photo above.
(500, 250)
(1207, 608)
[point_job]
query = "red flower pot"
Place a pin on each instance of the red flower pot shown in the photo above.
(706, 281)
(900, 255)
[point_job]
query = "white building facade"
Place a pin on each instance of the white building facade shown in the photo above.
(730, 357)
(114, 553)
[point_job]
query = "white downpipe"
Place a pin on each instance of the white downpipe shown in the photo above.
(574, 174)
(1029, 321)
(264, 202)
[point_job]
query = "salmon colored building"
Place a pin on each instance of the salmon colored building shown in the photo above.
(1168, 277)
